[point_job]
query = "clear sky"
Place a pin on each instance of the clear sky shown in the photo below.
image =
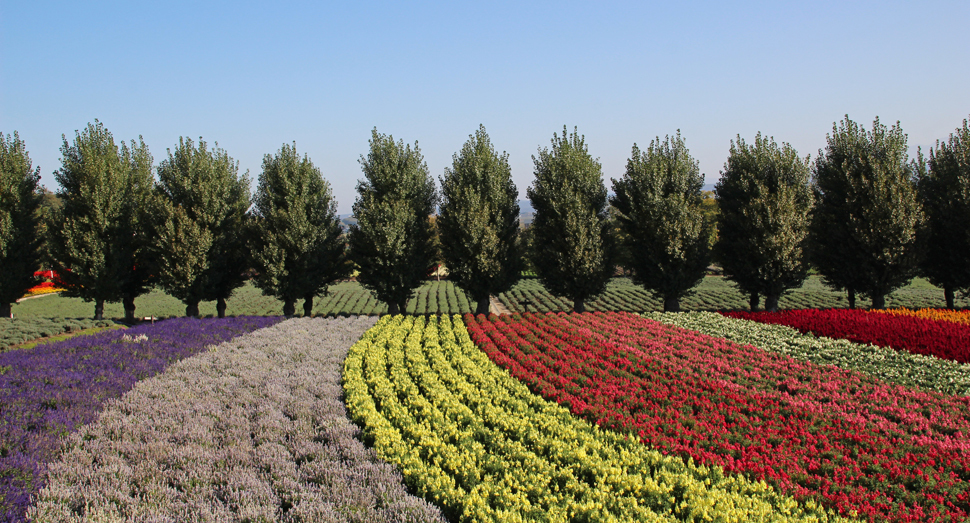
(255, 75)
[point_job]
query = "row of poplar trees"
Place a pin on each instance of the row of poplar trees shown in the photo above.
(864, 215)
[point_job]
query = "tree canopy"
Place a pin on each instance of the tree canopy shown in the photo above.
(944, 191)
(202, 217)
(764, 200)
(392, 241)
(297, 245)
(864, 226)
(20, 241)
(479, 221)
(573, 250)
(659, 206)
(99, 241)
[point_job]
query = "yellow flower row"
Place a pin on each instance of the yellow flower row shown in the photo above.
(478, 443)
(931, 314)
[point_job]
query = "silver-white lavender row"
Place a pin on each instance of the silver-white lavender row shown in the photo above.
(254, 429)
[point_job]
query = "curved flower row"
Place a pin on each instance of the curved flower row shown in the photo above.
(478, 443)
(49, 391)
(939, 338)
(251, 430)
(881, 451)
(900, 367)
(931, 314)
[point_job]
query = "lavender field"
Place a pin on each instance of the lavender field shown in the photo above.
(49, 391)
(252, 430)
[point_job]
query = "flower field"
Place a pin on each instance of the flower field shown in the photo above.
(251, 430)
(858, 444)
(49, 391)
(900, 367)
(345, 299)
(46, 287)
(604, 416)
(714, 293)
(931, 314)
(920, 335)
(15, 331)
(476, 441)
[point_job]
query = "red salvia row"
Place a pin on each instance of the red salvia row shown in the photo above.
(844, 438)
(939, 338)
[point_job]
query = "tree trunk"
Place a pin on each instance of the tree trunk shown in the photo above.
(579, 305)
(393, 309)
(771, 302)
(482, 307)
(672, 304)
(192, 309)
(98, 310)
(947, 293)
(308, 306)
(753, 301)
(129, 302)
(852, 298)
(879, 301)
(289, 307)
(221, 307)
(5, 311)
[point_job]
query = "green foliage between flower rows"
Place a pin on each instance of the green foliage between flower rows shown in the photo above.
(475, 441)
(345, 298)
(20, 330)
(714, 293)
(888, 364)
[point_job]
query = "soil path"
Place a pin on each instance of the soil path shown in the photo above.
(497, 307)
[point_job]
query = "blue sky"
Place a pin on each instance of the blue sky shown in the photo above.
(255, 75)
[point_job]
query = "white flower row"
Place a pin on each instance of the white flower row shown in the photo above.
(900, 367)
(253, 430)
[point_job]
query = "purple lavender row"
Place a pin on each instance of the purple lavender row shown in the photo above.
(252, 430)
(49, 391)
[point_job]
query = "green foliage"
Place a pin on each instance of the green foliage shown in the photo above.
(944, 191)
(22, 330)
(201, 246)
(714, 293)
(764, 200)
(573, 251)
(297, 245)
(392, 243)
(864, 227)
(20, 242)
(479, 221)
(99, 241)
(343, 298)
(660, 211)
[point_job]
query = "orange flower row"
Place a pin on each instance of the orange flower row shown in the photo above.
(931, 314)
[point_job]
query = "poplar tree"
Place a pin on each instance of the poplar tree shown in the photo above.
(99, 238)
(764, 198)
(200, 238)
(479, 221)
(20, 241)
(573, 249)
(297, 246)
(660, 212)
(392, 241)
(944, 191)
(864, 226)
